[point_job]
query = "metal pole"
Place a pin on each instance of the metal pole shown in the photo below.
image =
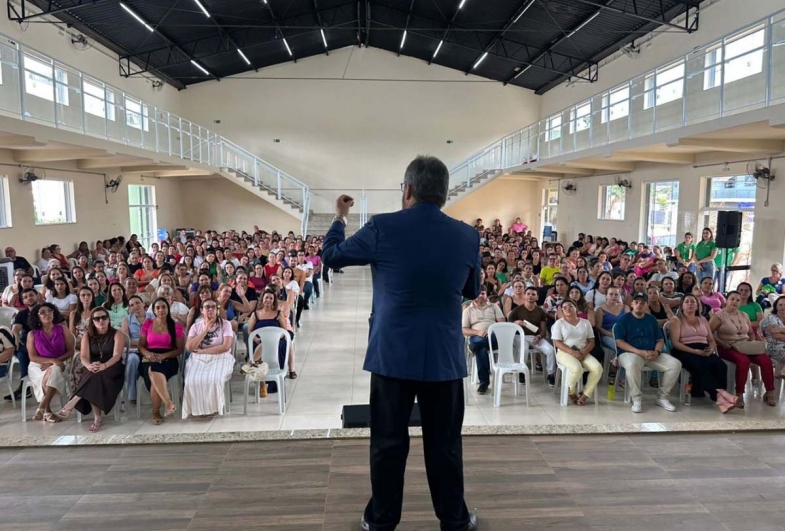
(279, 185)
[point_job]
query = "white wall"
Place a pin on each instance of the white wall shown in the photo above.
(95, 219)
(355, 119)
(717, 20)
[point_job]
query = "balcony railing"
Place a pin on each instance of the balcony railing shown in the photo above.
(37, 88)
(741, 71)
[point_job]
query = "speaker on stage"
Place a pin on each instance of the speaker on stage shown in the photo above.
(728, 229)
(359, 416)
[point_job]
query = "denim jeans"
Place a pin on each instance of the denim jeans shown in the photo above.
(307, 292)
(480, 347)
(707, 272)
(24, 359)
(131, 373)
(316, 278)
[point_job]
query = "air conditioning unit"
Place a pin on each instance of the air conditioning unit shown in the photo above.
(6, 274)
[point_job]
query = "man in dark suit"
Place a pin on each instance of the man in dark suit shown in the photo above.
(416, 346)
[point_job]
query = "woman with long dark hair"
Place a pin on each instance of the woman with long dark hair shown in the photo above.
(102, 355)
(267, 314)
(160, 344)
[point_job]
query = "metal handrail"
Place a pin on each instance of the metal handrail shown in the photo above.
(590, 123)
(53, 93)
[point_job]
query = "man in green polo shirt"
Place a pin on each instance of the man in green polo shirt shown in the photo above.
(684, 252)
(705, 253)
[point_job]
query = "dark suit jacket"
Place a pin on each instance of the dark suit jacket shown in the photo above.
(423, 264)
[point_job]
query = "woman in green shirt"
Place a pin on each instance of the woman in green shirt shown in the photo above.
(748, 305)
(684, 252)
(705, 253)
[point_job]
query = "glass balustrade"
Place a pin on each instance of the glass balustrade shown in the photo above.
(742, 71)
(37, 88)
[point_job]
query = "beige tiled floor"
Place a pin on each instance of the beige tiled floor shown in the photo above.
(330, 350)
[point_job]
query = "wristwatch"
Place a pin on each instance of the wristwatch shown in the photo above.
(341, 218)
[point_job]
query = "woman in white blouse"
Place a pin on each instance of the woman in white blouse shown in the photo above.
(574, 340)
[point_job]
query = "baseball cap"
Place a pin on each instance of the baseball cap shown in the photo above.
(639, 295)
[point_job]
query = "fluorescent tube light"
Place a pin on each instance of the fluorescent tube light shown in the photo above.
(243, 56)
(461, 4)
(137, 17)
(437, 49)
(480, 60)
(579, 28)
(324, 39)
(200, 67)
(403, 39)
(206, 13)
(524, 10)
(287, 48)
(522, 72)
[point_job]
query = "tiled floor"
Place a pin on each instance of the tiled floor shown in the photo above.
(330, 349)
(727, 482)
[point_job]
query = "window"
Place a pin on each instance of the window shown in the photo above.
(611, 203)
(743, 58)
(670, 85)
(662, 212)
(39, 80)
(580, 117)
(732, 193)
(554, 128)
(53, 202)
(616, 104)
(550, 205)
(144, 213)
(136, 115)
(94, 99)
(5, 203)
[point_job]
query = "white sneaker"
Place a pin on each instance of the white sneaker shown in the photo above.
(665, 404)
(636, 406)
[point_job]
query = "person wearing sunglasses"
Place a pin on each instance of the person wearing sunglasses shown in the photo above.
(50, 345)
(210, 364)
(101, 353)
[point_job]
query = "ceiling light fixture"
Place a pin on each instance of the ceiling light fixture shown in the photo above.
(522, 72)
(324, 39)
(206, 13)
(287, 47)
(243, 56)
(579, 28)
(524, 10)
(200, 67)
(461, 4)
(437, 49)
(480, 60)
(139, 19)
(403, 39)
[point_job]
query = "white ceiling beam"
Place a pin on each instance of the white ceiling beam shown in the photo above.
(193, 172)
(110, 162)
(663, 158)
(54, 155)
(150, 168)
(734, 145)
(19, 142)
(607, 165)
(565, 170)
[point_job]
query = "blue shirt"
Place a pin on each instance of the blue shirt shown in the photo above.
(134, 327)
(642, 334)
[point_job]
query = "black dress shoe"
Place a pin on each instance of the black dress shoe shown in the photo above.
(364, 525)
(482, 389)
(472, 522)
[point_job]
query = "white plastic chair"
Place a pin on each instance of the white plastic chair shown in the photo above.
(269, 337)
(9, 369)
(66, 375)
(505, 337)
(36, 271)
(562, 377)
(7, 316)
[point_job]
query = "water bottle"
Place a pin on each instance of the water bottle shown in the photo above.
(611, 393)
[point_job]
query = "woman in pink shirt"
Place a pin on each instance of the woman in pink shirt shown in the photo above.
(160, 344)
(713, 299)
(519, 226)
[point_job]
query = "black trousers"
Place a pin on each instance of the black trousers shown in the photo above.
(441, 409)
(709, 373)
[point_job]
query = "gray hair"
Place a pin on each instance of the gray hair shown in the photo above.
(429, 179)
(164, 291)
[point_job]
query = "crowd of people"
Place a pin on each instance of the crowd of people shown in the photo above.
(644, 308)
(92, 323)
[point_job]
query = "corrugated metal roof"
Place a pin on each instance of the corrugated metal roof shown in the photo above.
(539, 36)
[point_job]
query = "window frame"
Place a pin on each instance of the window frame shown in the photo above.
(147, 206)
(603, 211)
(68, 200)
(648, 211)
(5, 204)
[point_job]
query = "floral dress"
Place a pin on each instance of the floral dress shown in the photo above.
(77, 369)
(774, 347)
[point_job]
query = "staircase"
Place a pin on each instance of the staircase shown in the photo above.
(295, 208)
(319, 224)
(478, 181)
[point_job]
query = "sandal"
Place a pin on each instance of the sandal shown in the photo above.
(573, 398)
(39, 414)
(63, 414)
(292, 375)
(51, 417)
(781, 375)
(740, 401)
(95, 426)
(582, 400)
(769, 398)
(170, 409)
(157, 419)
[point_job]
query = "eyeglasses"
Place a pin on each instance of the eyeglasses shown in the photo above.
(210, 307)
(44, 313)
(403, 187)
(100, 318)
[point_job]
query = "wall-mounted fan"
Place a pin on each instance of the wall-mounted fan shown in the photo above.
(111, 186)
(31, 175)
(763, 177)
(568, 187)
(622, 183)
(81, 42)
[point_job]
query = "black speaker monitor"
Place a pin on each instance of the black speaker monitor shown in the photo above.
(728, 229)
(359, 416)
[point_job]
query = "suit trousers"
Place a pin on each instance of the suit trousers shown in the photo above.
(441, 409)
